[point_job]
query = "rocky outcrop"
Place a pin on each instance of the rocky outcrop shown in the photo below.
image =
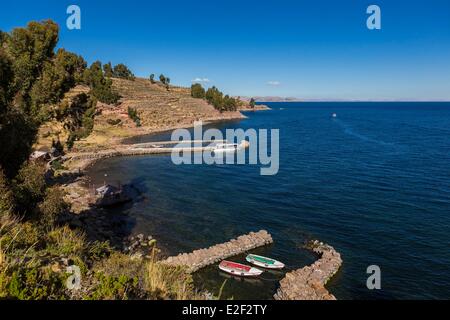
(308, 283)
(201, 258)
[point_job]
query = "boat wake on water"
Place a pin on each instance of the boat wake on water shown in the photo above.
(349, 130)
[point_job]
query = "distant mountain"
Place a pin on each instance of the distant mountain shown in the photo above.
(270, 99)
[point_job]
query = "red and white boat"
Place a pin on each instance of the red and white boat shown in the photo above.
(238, 269)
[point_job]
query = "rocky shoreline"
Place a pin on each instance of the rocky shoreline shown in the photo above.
(308, 283)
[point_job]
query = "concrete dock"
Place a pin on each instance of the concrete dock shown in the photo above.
(201, 258)
(161, 147)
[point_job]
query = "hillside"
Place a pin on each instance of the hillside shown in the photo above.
(159, 109)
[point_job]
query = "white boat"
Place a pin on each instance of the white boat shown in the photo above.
(238, 269)
(334, 115)
(264, 262)
(226, 147)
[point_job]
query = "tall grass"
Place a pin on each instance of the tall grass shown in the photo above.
(168, 282)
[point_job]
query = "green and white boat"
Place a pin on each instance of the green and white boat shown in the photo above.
(264, 262)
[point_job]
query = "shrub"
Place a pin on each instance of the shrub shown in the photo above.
(114, 288)
(120, 264)
(133, 114)
(28, 283)
(79, 117)
(99, 250)
(113, 122)
(57, 147)
(108, 70)
(52, 207)
(168, 282)
(197, 91)
(162, 78)
(118, 278)
(6, 196)
(122, 71)
(221, 103)
(66, 242)
(29, 187)
(15, 237)
(25, 235)
(17, 136)
(101, 87)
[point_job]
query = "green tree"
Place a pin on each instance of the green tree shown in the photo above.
(152, 78)
(101, 87)
(6, 196)
(17, 136)
(6, 79)
(134, 115)
(122, 71)
(219, 101)
(229, 104)
(79, 117)
(33, 80)
(31, 48)
(252, 103)
(197, 91)
(17, 131)
(162, 78)
(29, 187)
(52, 207)
(167, 83)
(58, 77)
(108, 70)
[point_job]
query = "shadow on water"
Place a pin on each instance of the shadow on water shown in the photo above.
(112, 223)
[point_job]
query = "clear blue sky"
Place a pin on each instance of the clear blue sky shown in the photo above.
(307, 49)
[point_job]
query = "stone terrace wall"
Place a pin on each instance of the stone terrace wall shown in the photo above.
(308, 283)
(201, 258)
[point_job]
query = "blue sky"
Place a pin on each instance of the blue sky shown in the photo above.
(306, 49)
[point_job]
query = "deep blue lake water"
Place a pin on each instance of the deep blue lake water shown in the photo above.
(374, 182)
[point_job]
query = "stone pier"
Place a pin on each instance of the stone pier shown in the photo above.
(308, 283)
(152, 148)
(203, 257)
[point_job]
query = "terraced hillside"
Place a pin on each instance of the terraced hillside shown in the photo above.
(159, 109)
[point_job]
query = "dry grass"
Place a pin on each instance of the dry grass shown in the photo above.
(164, 282)
(64, 241)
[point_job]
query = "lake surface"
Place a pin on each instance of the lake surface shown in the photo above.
(374, 182)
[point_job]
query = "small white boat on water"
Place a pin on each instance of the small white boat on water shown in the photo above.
(264, 262)
(238, 269)
(226, 148)
(334, 115)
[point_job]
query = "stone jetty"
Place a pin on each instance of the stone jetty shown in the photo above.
(162, 147)
(308, 283)
(203, 257)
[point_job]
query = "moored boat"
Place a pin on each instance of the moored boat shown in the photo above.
(226, 147)
(264, 262)
(238, 269)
